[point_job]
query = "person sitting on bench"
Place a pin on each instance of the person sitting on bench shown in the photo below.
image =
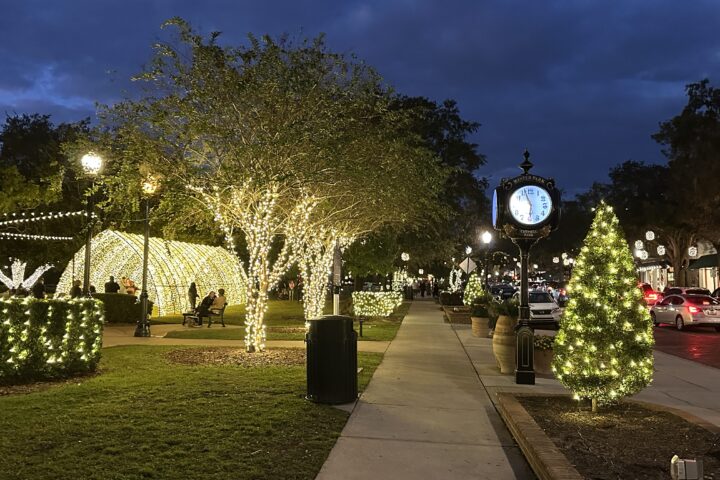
(204, 309)
(218, 302)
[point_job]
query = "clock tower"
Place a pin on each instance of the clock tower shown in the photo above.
(525, 208)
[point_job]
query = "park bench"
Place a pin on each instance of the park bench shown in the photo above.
(195, 319)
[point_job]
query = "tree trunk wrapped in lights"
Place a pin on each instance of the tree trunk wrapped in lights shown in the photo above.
(603, 350)
(244, 135)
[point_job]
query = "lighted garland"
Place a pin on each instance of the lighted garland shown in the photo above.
(28, 236)
(49, 338)
(172, 266)
(32, 217)
(375, 304)
(603, 350)
(455, 280)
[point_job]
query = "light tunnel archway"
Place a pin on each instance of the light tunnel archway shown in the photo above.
(172, 266)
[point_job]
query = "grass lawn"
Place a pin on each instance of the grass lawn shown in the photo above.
(144, 417)
(282, 313)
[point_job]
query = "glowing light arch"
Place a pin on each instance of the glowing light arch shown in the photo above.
(172, 266)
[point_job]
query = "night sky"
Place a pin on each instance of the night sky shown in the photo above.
(581, 84)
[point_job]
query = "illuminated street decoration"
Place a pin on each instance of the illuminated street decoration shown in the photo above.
(661, 250)
(172, 267)
(604, 348)
(18, 275)
(693, 252)
(375, 304)
(455, 281)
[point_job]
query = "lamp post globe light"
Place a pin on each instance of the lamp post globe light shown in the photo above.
(142, 329)
(486, 238)
(91, 165)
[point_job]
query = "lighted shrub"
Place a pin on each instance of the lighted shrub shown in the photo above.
(42, 339)
(375, 304)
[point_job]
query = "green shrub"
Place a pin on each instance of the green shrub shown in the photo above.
(451, 299)
(480, 310)
(41, 339)
(121, 307)
(510, 307)
(493, 313)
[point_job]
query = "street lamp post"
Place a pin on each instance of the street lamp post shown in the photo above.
(142, 329)
(486, 238)
(91, 164)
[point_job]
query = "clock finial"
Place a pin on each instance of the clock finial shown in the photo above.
(527, 164)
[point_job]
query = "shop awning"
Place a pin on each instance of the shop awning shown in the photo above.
(647, 265)
(706, 261)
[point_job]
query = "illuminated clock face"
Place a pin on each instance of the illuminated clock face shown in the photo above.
(494, 209)
(530, 205)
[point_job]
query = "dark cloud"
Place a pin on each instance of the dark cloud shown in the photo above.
(582, 84)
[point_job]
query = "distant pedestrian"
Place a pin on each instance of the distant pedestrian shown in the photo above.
(423, 287)
(193, 296)
(38, 290)
(112, 286)
(76, 291)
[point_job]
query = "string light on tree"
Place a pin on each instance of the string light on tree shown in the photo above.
(649, 235)
(693, 251)
(603, 350)
(661, 250)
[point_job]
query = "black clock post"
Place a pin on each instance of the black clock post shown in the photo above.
(526, 208)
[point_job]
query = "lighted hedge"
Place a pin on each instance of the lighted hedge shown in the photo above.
(375, 304)
(42, 339)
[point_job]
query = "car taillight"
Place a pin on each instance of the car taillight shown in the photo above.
(694, 309)
(651, 296)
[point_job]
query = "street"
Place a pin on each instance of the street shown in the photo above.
(699, 344)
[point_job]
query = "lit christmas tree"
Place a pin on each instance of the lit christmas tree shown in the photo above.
(603, 350)
(473, 289)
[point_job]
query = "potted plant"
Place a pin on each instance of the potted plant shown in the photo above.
(504, 336)
(480, 318)
(543, 355)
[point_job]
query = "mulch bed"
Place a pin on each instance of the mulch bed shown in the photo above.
(276, 357)
(627, 441)
(286, 329)
(30, 387)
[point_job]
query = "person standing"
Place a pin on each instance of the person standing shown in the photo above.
(38, 290)
(193, 296)
(112, 286)
(423, 286)
(76, 291)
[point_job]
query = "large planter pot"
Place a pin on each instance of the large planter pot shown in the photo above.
(543, 361)
(504, 344)
(480, 327)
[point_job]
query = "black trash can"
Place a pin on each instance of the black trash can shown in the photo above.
(331, 360)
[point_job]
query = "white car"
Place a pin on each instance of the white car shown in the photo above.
(686, 310)
(543, 307)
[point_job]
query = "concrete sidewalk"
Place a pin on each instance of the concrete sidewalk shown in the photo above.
(425, 414)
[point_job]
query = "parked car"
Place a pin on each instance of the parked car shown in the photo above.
(651, 296)
(685, 291)
(502, 291)
(716, 293)
(686, 310)
(543, 307)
